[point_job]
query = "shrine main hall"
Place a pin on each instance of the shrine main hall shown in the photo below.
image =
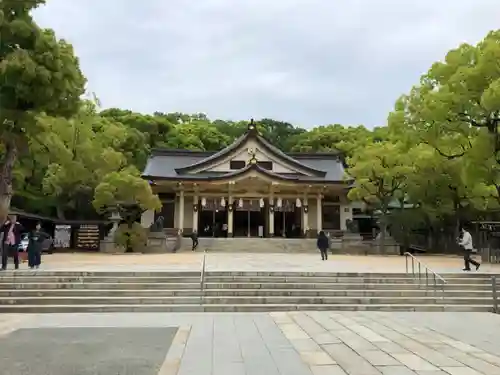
(249, 189)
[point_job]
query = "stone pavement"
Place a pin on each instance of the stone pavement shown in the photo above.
(250, 262)
(293, 343)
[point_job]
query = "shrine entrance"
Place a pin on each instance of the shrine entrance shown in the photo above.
(249, 218)
(212, 220)
(287, 220)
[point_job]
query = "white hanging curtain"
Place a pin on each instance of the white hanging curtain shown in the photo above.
(223, 202)
(298, 203)
(203, 201)
(261, 202)
(279, 202)
(240, 203)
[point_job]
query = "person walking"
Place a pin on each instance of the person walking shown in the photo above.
(194, 238)
(35, 246)
(466, 243)
(11, 231)
(322, 243)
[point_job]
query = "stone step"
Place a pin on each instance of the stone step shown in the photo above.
(100, 286)
(347, 300)
(343, 285)
(55, 273)
(54, 309)
(239, 286)
(238, 300)
(139, 293)
(103, 300)
(314, 279)
(234, 308)
(408, 293)
(348, 307)
(341, 274)
(136, 293)
(234, 280)
(92, 279)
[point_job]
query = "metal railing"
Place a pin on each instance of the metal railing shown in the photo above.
(419, 271)
(202, 272)
(202, 279)
(494, 291)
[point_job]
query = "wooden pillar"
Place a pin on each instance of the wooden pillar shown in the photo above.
(319, 213)
(270, 210)
(230, 215)
(181, 211)
(195, 213)
(305, 213)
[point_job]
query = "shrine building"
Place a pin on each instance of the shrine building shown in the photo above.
(249, 189)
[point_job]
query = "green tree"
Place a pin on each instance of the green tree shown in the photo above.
(231, 128)
(123, 190)
(38, 73)
(80, 157)
(155, 128)
(128, 194)
(197, 135)
(380, 171)
(457, 102)
(334, 138)
(281, 134)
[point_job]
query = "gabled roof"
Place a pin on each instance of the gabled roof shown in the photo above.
(251, 133)
(164, 164)
(220, 176)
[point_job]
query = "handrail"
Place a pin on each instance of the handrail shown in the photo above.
(202, 278)
(202, 272)
(494, 290)
(438, 279)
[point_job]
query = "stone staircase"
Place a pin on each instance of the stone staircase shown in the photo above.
(64, 292)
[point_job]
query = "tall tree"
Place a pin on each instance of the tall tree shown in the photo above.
(38, 73)
(380, 170)
(82, 152)
(456, 102)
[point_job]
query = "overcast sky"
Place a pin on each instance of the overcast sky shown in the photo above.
(309, 62)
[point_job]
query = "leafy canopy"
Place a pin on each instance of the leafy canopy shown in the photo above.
(125, 187)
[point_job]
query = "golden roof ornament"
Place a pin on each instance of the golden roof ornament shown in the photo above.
(251, 125)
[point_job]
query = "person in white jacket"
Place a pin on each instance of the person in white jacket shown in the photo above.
(466, 243)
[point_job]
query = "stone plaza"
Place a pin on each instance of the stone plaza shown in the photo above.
(294, 343)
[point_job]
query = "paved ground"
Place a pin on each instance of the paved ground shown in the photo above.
(85, 351)
(295, 343)
(251, 262)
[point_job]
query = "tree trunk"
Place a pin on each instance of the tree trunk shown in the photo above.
(6, 168)
(60, 211)
(129, 248)
(383, 229)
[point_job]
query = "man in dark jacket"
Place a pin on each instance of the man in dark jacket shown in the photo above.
(11, 238)
(323, 243)
(194, 238)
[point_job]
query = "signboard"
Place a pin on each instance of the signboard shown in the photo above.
(62, 236)
(87, 237)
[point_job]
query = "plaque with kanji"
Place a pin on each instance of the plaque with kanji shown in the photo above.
(87, 237)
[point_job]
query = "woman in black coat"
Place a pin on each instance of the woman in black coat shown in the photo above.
(35, 246)
(323, 243)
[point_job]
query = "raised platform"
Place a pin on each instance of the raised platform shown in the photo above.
(289, 245)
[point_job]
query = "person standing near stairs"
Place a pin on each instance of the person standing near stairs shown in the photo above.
(466, 243)
(322, 243)
(194, 238)
(12, 231)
